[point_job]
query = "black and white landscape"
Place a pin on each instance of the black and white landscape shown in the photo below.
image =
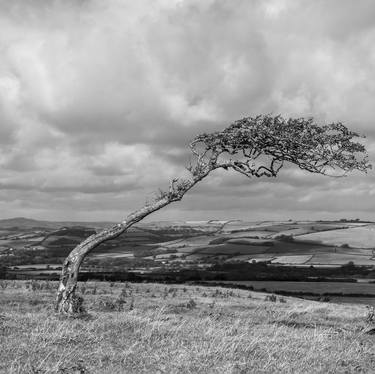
(187, 186)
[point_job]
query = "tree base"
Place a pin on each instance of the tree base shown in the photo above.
(71, 305)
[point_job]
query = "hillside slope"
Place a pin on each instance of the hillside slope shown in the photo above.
(156, 328)
(185, 244)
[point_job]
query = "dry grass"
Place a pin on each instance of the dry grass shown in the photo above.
(155, 328)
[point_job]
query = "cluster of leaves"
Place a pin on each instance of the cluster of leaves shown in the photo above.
(299, 141)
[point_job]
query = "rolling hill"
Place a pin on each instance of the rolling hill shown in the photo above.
(296, 243)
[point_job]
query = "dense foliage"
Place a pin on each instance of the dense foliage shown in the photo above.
(271, 141)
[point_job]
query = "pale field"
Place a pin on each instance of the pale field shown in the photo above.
(248, 234)
(360, 237)
(185, 244)
(181, 329)
(241, 225)
(297, 259)
(340, 259)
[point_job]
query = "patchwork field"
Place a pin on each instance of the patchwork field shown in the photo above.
(295, 243)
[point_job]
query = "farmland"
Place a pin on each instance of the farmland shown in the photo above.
(172, 246)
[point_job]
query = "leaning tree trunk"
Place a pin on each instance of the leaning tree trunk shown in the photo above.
(67, 302)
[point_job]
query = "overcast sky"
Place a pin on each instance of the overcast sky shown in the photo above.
(99, 99)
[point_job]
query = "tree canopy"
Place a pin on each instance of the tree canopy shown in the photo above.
(317, 149)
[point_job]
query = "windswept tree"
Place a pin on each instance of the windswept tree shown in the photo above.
(255, 147)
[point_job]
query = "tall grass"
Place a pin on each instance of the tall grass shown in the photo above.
(180, 329)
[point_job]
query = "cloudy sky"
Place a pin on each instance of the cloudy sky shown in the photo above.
(99, 99)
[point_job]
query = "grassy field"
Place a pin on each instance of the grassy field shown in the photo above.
(357, 237)
(367, 290)
(154, 328)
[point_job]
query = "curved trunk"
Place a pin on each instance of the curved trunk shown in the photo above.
(67, 302)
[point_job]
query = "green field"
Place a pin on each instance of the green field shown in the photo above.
(319, 288)
(341, 259)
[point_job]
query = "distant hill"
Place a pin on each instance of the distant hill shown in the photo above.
(28, 223)
(23, 223)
